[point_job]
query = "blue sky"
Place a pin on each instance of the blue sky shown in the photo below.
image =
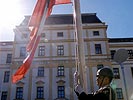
(116, 14)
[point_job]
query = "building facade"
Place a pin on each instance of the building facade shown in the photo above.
(50, 76)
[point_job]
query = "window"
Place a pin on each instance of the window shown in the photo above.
(119, 93)
(41, 51)
(130, 53)
(6, 76)
(41, 71)
(22, 51)
(60, 50)
(132, 71)
(19, 93)
(95, 33)
(9, 58)
(43, 35)
(112, 53)
(99, 66)
(116, 73)
(61, 92)
(59, 34)
(98, 49)
(60, 71)
(4, 95)
(40, 92)
(24, 36)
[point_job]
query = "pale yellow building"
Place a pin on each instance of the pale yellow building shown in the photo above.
(50, 76)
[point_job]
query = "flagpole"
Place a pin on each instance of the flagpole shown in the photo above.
(81, 54)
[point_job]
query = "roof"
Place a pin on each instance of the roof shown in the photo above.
(68, 19)
(56, 19)
(114, 40)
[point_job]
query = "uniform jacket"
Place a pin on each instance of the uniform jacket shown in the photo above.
(104, 93)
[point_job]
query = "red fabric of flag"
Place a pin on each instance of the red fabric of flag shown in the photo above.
(19, 74)
(33, 36)
(56, 2)
(38, 13)
(35, 21)
(62, 1)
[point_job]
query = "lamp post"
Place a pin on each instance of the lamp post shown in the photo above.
(120, 56)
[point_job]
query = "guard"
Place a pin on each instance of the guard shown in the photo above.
(105, 92)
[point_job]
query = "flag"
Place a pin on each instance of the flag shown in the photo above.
(39, 9)
(42, 7)
(33, 36)
(62, 2)
(56, 2)
(38, 13)
(19, 74)
(35, 22)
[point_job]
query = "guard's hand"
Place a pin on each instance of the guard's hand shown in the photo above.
(78, 89)
(75, 76)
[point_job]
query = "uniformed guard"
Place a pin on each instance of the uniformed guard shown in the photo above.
(105, 92)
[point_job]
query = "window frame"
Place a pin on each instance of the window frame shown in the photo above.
(60, 71)
(40, 92)
(60, 34)
(112, 52)
(60, 50)
(43, 35)
(19, 92)
(6, 76)
(119, 93)
(98, 49)
(41, 51)
(24, 36)
(116, 73)
(4, 95)
(96, 33)
(9, 58)
(40, 72)
(22, 51)
(61, 91)
(130, 53)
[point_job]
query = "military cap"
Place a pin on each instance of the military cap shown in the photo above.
(105, 72)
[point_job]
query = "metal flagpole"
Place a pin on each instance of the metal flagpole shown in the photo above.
(81, 54)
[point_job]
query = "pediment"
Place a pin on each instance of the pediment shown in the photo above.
(20, 83)
(40, 82)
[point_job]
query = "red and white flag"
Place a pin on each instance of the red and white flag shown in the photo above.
(26, 64)
(38, 14)
(41, 11)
